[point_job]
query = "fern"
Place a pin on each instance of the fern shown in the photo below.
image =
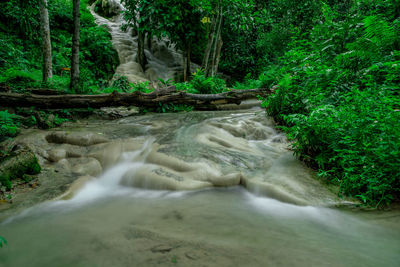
(379, 32)
(8, 125)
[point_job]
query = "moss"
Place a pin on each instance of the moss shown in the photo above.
(35, 168)
(5, 181)
(18, 165)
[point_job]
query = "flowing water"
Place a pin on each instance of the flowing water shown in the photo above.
(193, 189)
(163, 60)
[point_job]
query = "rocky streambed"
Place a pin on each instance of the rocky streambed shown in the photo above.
(215, 188)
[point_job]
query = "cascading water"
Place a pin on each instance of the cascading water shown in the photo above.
(252, 203)
(164, 61)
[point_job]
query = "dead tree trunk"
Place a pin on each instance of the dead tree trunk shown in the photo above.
(152, 100)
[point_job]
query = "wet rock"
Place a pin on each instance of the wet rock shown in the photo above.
(64, 165)
(226, 180)
(76, 138)
(57, 154)
(86, 166)
(151, 177)
(107, 154)
(162, 248)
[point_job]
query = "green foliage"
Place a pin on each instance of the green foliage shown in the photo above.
(122, 84)
(18, 77)
(338, 99)
(252, 44)
(19, 25)
(207, 85)
(21, 79)
(3, 242)
(8, 125)
(12, 52)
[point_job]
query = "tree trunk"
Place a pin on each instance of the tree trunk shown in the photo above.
(167, 95)
(188, 58)
(219, 48)
(184, 65)
(215, 48)
(46, 42)
(74, 85)
(149, 39)
(141, 56)
(210, 39)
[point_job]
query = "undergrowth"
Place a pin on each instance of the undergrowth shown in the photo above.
(338, 100)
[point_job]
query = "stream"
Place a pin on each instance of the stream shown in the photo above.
(217, 188)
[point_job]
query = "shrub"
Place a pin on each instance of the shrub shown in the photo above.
(207, 85)
(8, 125)
(338, 101)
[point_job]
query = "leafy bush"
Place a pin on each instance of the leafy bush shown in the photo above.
(8, 125)
(338, 99)
(17, 76)
(122, 84)
(207, 85)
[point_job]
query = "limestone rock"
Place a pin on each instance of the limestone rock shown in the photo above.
(57, 154)
(75, 138)
(86, 166)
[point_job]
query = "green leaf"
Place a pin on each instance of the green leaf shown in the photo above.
(3, 241)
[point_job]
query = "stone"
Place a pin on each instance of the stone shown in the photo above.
(57, 154)
(76, 138)
(86, 166)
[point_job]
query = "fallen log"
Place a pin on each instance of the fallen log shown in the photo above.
(154, 99)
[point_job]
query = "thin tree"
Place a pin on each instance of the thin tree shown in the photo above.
(74, 85)
(46, 42)
(141, 56)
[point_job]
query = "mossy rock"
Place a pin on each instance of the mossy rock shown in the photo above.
(21, 161)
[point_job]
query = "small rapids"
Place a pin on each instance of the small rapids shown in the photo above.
(189, 189)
